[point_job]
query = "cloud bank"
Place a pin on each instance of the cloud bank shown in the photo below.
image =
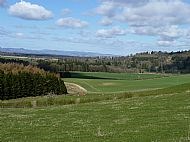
(163, 19)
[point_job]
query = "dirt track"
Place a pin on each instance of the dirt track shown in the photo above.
(75, 89)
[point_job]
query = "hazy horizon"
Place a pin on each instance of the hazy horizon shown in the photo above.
(118, 27)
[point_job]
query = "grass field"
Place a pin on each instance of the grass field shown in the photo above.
(123, 82)
(153, 118)
(114, 76)
(107, 114)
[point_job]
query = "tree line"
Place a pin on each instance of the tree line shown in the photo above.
(17, 81)
(4, 60)
(153, 62)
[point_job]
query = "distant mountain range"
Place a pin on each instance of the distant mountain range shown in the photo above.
(52, 52)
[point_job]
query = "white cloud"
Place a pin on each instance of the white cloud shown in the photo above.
(66, 11)
(110, 8)
(106, 22)
(146, 12)
(167, 35)
(70, 22)
(106, 8)
(162, 19)
(127, 2)
(28, 11)
(172, 31)
(19, 35)
(165, 43)
(110, 33)
(156, 13)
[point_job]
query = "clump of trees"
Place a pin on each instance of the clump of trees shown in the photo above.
(17, 81)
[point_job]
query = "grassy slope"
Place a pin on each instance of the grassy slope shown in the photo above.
(151, 118)
(161, 115)
(128, 83)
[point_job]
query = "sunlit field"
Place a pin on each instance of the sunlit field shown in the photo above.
(124, 82)
(123, 108)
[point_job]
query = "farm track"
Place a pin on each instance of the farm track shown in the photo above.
(73, 88)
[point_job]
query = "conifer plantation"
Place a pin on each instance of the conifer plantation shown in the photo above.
(17, 81)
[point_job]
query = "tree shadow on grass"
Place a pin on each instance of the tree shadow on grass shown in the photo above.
(83, 76)
(80, 75)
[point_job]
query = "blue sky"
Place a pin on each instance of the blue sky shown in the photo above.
(105, 26)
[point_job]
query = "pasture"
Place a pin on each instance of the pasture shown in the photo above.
(125, 82)
(151, 118)
(117, 107)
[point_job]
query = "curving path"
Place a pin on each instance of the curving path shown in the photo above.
(75, 89)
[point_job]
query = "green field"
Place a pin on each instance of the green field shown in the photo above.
(124, 82)
(153, 118)
(115, 76)
(128, 107)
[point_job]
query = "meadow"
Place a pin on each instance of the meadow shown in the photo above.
(152, 118)
(130, 107)
(125, 82)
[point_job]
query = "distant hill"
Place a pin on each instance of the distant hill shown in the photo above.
(52, 52)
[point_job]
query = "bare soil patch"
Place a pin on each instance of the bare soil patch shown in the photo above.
(108, 84)
(75, 89)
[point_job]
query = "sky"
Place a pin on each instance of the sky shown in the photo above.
(119, 27)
